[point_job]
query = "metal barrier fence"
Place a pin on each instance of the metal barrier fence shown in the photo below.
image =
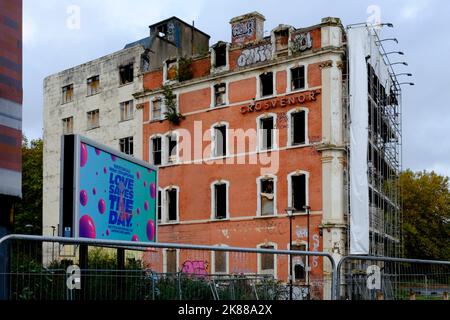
(382, 278)
(54, 268)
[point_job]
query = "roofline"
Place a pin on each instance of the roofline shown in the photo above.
(176, 18)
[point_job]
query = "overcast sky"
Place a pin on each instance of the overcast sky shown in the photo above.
(107, 25)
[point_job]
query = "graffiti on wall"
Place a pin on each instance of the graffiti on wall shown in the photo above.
(170, 32)
(301, 42)
(243, 29)
(195, 267)
(316, 243)
(254, 55)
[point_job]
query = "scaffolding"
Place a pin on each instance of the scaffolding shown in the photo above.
(384, 156)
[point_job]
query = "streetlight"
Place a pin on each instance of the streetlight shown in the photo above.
(403, 63)
(408, 83)
(390, 39)
(289, 212)
(404, 74)
(392, 52)
(308, 208)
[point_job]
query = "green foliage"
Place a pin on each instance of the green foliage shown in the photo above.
(170, 102)
(184, 71)
(28, 213)
(426, 215)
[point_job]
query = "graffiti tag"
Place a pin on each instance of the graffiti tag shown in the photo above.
(255, 55)
(197, 267)
(243, 29)
(301, 42)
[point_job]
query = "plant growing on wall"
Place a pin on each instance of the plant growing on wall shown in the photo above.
(184, 69)
(170, 102)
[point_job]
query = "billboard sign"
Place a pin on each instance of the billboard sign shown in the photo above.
(106, 194)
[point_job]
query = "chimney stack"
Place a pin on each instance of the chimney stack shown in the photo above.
(247, 28)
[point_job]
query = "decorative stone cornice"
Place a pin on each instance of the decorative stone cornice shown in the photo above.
(326, 64)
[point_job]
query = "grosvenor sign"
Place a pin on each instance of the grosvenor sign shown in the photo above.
(281, 102)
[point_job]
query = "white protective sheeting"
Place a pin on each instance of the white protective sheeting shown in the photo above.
(358, 43)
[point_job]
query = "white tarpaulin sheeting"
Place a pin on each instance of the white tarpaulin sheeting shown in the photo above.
(359, 186)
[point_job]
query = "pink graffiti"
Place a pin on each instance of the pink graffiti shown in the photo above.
(197, 268)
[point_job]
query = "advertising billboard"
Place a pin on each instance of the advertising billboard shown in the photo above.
(106, 194)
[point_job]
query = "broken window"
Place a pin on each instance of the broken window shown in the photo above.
(172, 205)
(266, 84)
(172, 70)
(221, 55)
(126, 74)
(298, 78)
(171, 260)
(267, 260)
(267, 197)
(299, 192)
(298, 123)
(145, 60)
(162, 30)
(126, 110)
(159, 205)
(157, 109)
(282, 39)
(220, 201)
(220, 141)
(220, 94)
(93, 119)
(299, 263)
(172, 148)
(67, 93)
(157, 151)
(126, 145)
(220, 261)
(267, 126)
(93, 85)
(68, 125)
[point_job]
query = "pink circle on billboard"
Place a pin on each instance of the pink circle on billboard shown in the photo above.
(145, 183)
(138, 175)
(94, 191)
(113, 158)
(87, 227)
(83, 198)
(105, 170)
(150, 230)
(138, 211)
(83, 155)
(135, 238)
(98, 151)
(101, 206)
(153, 190)
(107, 232)
(146, 205)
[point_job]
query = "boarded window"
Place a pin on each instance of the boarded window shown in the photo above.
(220, 94)
(282, 39)
(157, 152)
(267, 125)
(220, 141)
(67, 93)
(126, 110)
(299, 263)
(220, 261)
(298, 120)
(126, 74)
(93, 85)
(159, 205)
(67, 125)
(299, 192)
(267, 260)
(220, 201)
(93, 119)
(267, 197)
(157, 109)
(126, 145)
(221, 56)
(298, 78)
(171, 195)
(266, 84)
(172, 70)
(171, 261)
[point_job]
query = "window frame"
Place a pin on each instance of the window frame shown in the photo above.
(123, 106)
(213, 260)
(165, 216)
(289, 189)
(213, 200)
(259, 259)
(124, 139)
(132, 74)
(258, 195)
(260, 133)
(64, 122)
(289, 114)
(289, 87)
(89, 85)
(166, 146)
(151, 150)
(89, 119)
(162, 109)
(214, 141)
(177, 253)
(64, 95)
(260, 85)
(214, 104)
(225, 67)
(289, 246)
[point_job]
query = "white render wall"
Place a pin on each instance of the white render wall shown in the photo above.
(111, 129)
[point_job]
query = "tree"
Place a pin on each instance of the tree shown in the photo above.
(28, 213)
(426, 215)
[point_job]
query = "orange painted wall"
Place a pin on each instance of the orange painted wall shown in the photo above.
(195, 100)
